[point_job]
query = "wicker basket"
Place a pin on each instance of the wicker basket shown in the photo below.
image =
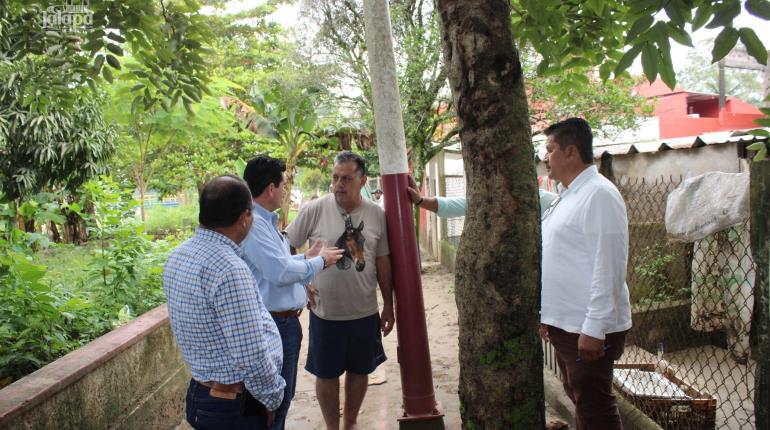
(666, 399)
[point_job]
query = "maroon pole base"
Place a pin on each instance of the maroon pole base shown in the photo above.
(420, 403)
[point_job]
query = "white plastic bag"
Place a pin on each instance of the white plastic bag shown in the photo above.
(706, 204)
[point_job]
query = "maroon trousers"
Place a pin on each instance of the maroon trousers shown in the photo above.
(589, 385)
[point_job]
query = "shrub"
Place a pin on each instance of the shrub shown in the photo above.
(105, 284)
(654, 282)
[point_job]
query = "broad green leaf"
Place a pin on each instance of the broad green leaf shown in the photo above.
(753, 45)
(115, 49)
(48, 216)
(674, 11)
(761, 152)
(116, 37)
(188, 106)
(679, 35)
(604, 71)
(112, 61)
(627, 59)
(725, 13)
(107, 74)
(760, 8)
(724, 42)
(93, 45)
(760, 132)
(650, 61)
(135, 105)
(639, 26)
(702, 15)
(659, 32)
(667, 73)
(98, 61)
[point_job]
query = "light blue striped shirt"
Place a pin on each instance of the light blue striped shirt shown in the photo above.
(453, 207)
(222, 328)
(281, 277)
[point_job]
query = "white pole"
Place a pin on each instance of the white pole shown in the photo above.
(391, 143)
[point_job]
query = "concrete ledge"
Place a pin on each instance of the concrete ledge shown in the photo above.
(633, 418)
(132, 377)
(557, 399)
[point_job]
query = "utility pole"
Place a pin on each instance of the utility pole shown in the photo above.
(739, 58)
(420, 408)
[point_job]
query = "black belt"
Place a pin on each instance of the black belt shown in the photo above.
(295, 313)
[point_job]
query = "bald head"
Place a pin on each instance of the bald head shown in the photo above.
(223, 200)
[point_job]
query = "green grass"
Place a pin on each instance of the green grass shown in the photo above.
(67, 264)
(164, 220)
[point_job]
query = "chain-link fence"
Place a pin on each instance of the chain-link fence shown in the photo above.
(693, 304)
(687, 363)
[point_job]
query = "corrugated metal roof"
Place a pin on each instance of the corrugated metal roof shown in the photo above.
(689, 142)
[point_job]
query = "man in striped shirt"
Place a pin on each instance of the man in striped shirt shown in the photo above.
(224, 332)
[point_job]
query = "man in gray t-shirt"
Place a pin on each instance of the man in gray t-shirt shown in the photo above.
(344, 321)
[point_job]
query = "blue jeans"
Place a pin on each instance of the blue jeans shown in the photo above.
(212, 413)
(291, 338)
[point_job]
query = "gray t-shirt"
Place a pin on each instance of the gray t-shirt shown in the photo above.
(348, 290)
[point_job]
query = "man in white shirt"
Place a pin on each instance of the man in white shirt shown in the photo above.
(586, 311)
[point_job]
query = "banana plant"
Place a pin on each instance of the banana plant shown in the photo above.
(286, 112)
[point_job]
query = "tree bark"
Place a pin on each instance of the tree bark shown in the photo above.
(142, 212)
(760, 250)
(498, 261)
(55, 236)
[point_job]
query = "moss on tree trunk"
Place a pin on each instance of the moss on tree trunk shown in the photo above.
(498, 261)
(760, 250)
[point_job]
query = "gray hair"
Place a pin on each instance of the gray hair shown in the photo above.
(346, 156)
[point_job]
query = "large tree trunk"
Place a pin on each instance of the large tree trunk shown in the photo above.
(55, 235)
(498, 261)
(760, 250)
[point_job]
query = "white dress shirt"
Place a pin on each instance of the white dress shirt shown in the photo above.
(585, 252)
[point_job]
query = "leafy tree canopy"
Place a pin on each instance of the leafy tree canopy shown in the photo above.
(166, 37)
(574, 35)
(44, 145)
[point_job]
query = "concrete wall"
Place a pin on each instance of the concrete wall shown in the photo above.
(448, 254)
(669, 323)
(685, 162)
(130, 378)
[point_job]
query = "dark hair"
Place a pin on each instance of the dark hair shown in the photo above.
(345, 156)
(263, 171)
(222, 201)
(574, 131)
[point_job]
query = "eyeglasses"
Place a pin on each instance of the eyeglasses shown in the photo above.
(551, 207)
